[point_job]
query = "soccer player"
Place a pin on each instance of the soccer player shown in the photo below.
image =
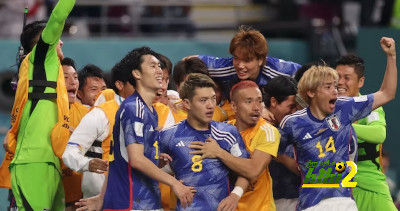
(322, 131)
(280, 100)
(249, 61)
(133, 173)
(261, 139)
(372, 191)
(89, 145)
(91, 82)
(208, 176)
(72, 180)
(41, 93)
(181, 71)
(166, 118)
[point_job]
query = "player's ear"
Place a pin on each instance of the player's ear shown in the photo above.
(311, 94)
(361, 82)
(119, 85)
(233, 106)
(274, 102)
(136, 74)
(186, 104)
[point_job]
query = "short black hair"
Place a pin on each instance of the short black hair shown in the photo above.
(68, 62)
(132, 61)
(89, 70)
(30, 33)
(354, 61)
(280, 88)
(165, 63)
(187, 66)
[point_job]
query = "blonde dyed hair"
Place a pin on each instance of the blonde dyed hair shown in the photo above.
(314, 77)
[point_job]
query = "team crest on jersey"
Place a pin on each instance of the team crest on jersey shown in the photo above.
(334, 122)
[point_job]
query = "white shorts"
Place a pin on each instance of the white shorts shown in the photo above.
(286, 204)
(335, 204)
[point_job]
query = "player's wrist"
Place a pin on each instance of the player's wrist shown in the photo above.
(238, 191)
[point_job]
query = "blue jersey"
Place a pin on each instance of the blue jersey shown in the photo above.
(285, 183)
(128, 188)
(209, 176)
(223, 71)
(322, 142)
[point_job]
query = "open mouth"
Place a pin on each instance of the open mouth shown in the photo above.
(159, 79)
(210, 113)
(255, 116)
(159, 92)
(332, 101)
(71, 92)
(341, 90)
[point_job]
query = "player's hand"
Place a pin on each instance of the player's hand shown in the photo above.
(164, 160)
(208, 149)
(184, 193)
(388, 46)
(229, 203)
(175, 107)
(94, 203)
(268, 115)
(98, 165)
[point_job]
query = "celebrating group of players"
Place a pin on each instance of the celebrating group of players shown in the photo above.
(238, 135)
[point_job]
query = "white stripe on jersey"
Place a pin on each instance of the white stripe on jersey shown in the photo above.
(142, 110)
(221, 73)
(170, 127)
(269, 132)
(122, 147)
(221, 69)
(139, 108)
(343, 98)
(220, 135)
(267, 70)
(301, 112)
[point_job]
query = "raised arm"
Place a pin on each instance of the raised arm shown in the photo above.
(388, 88)
(54, 27)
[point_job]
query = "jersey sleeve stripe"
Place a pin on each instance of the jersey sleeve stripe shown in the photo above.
(216, 72)
(221, 135)
(271, 72)
(297, 113)
(221, 69)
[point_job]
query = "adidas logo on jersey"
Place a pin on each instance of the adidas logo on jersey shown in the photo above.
(151, 128)
(307, 136)
(180, 144)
